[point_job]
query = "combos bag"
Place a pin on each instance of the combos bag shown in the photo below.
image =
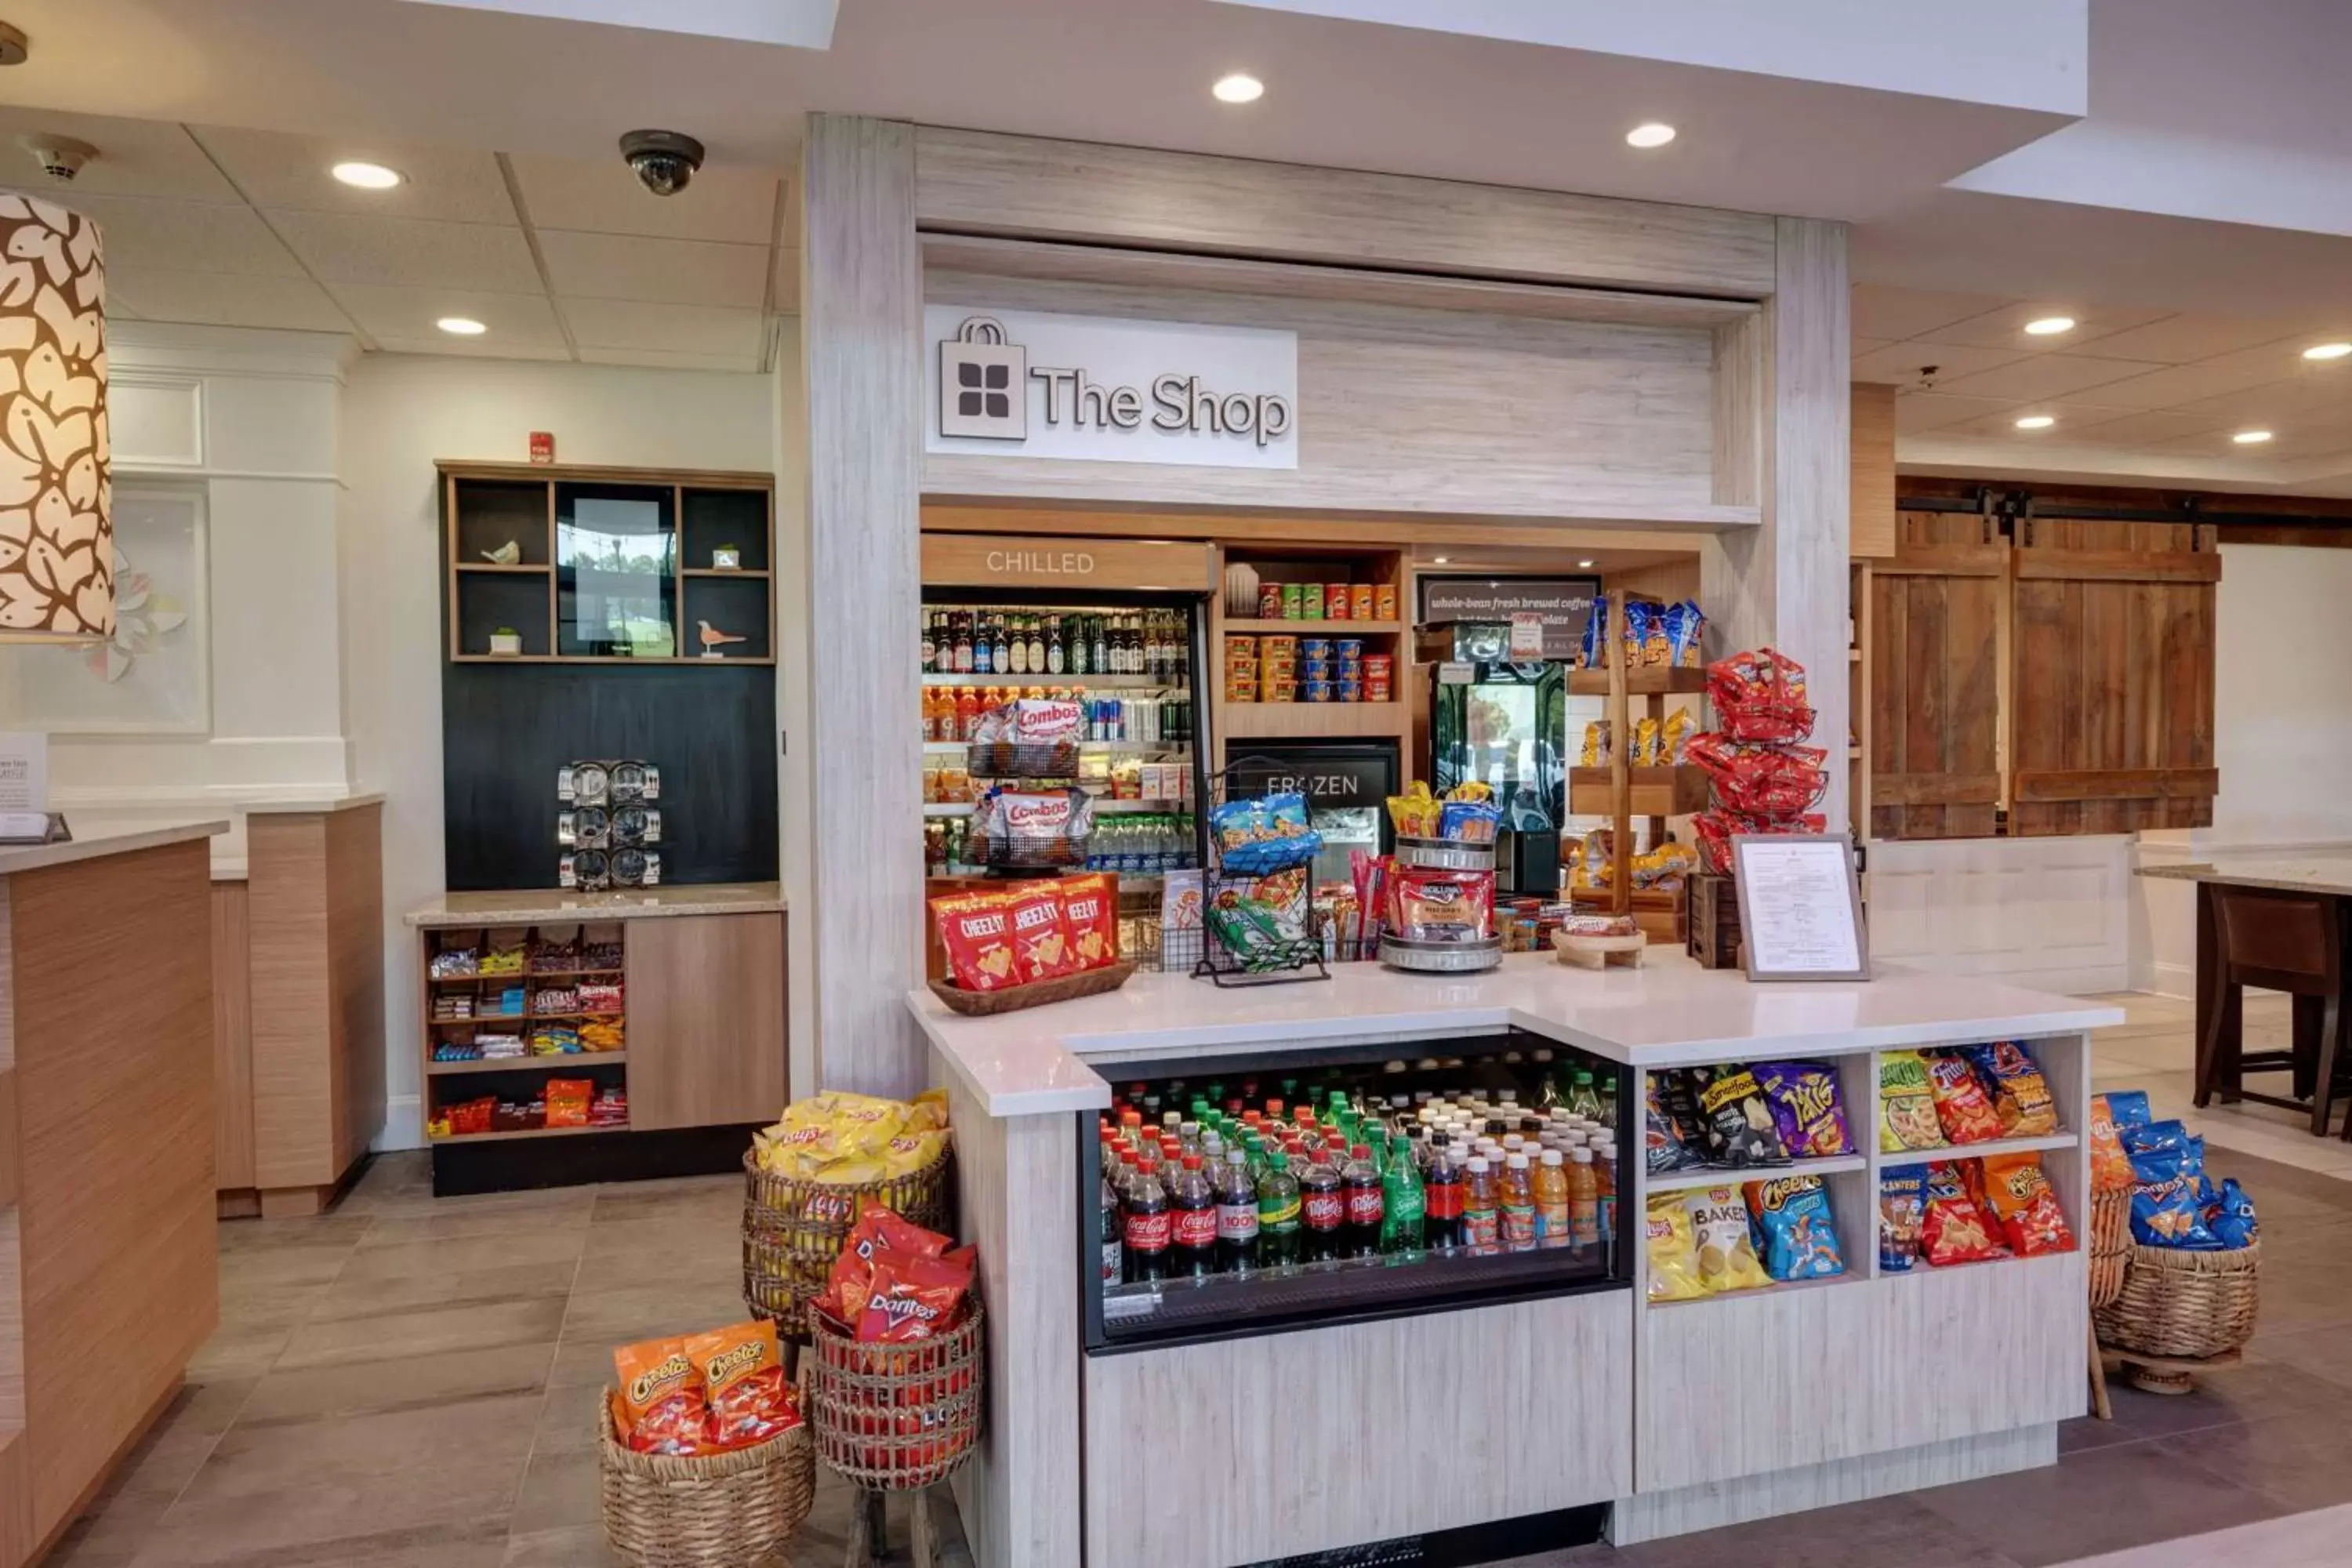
(1962, 1107)
(2020, 1097)
(1806, 1109)
(2020, 1198)
(1800, 1237)
(1952, 1228)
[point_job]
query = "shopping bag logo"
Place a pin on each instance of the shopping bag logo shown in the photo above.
(983, 384)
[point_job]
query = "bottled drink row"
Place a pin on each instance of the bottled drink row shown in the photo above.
(954, 712)
(1153, 643)
(1202, 1183)
(1138, 843)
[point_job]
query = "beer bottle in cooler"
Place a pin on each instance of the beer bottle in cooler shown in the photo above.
(1036, 631)
(1192, 1249)
(1058, 651)
(1149, 1225)
(1237, 1216)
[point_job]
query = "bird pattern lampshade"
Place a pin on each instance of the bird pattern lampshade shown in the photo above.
(56, 532)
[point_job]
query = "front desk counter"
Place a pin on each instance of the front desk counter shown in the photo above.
(1555, 1403)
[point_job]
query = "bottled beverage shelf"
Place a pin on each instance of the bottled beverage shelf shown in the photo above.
(1103, 808)
(1091, 683)
(1221, 1302)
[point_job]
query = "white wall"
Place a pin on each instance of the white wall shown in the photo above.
(401, 413)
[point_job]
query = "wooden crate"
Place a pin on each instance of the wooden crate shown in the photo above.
(1713, 920)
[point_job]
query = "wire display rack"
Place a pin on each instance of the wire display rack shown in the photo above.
(1273, 961)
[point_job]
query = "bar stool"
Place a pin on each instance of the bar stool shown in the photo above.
(2280, 942)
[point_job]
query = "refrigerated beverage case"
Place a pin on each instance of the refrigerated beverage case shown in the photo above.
(1148, 1227)
(1583, 1198)
(1481, 1224)
(1237, 1215)
(1323, 1210)
(1402, 1206)
(1192, 1208)
(1278, 1213)
(1360, 1185)
(1113, 1254)
(1550, 1181)
(1514, 1203)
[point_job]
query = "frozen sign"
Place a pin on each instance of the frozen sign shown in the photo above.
(1095, 389)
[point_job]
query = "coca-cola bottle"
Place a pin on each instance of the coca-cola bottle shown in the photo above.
(1323, 1209)
(1359, 1183)
(1278, 1213)
(1147, 1226)
(1237, 1217)
(1442, 1200)
(1192, 1203)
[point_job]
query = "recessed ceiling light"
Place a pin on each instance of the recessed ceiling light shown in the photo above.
(461, 326)
(2037, 422)
(1239, 87)
(1584, 566)
(1654, 133)
(367, 176)
(2250, 438)
(2050, 326)
(1439, 560)
(2327, 351)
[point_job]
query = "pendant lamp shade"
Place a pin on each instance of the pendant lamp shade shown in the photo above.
(57, 528)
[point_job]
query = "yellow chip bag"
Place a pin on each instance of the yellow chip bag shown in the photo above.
(827, 1127)
(1726, 1246)
(911, 1151)
(1596, 744)
(1645, 744)
(928, 1110)
(1667, 1239)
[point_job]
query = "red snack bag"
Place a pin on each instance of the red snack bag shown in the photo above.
(879, 1231)
(911, 1298)
(2020, 1198)
(742, 1372)
(1041, 942)
(661, 1397)
(976, 929)
(567, 1100)
(1091, 923)
(1961, 1103)
(1954, 1229)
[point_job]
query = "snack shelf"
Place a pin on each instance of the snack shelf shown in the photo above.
(1681, 1181)
(524, 975)
(1676, 791)
(1994, 1149)
(1308, 720)
(1641, 680)
(515, 1133)
(1124, 748)
(1326, 627)
(1091, 682)
(1851, 1276)
(526, 1017)
(528, 1063)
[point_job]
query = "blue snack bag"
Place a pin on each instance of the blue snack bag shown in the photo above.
(1791, 1219)
(2167, 1173)
(2128, 1107)
(2230, 1216)
(1902, 1206)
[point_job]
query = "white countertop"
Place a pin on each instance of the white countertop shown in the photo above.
(92, 845)
(1669, 1012)
(2307, 873)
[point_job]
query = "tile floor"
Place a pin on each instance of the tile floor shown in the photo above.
(409, 1382)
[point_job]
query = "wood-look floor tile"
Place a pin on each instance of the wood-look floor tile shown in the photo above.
(434, 1288)
(460, 1544)
(2101, 1500)
(642, 1311)
(580, 1546)
(517, 1214)
(567, 1418)
(559, 1490)
(1884, 1531)
(561, 1243)
(432, 1330)
(2295, 1459)
(403, 1383)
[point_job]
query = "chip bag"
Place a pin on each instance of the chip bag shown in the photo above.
(661, 1397)
(2167, 1174)
(2111, 1169)
(1906, 1104)
(1727, 1248)
(1902, 1198)
(1806, 1109)
(1674, 737)
(1739, 1129)
(879, 1231)
(976, 930)
(910, 1299)
(1962, 1108)
(2230, 1215)
(1415, 813)
(1040, 939)
(1799, 1234)
(1090, 921)
(2020, 1198)
(1671, 1249)
(1663, 1146)
(2020, 1096)
(1952, 1228)
(1595, 753)
(743, 1372)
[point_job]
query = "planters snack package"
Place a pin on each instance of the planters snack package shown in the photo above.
(1800, 1237)
(1902, 1200)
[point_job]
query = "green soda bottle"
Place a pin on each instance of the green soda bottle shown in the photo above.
(1278, 1213)
(1403, 1205)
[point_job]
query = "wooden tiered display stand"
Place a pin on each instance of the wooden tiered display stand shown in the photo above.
(1237, 726)
(1621, 792)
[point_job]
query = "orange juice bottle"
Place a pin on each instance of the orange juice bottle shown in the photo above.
(967, 719)
(1583, 1198)
(1516, 1201)
(1549, 1181)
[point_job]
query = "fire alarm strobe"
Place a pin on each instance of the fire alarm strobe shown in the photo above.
(983, 383)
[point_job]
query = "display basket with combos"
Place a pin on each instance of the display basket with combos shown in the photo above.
(808, 1178)
(1031, 829)
(1027, 943)
(1258, 919)
(1029, 738)
(703, 1459)
(1435, 895)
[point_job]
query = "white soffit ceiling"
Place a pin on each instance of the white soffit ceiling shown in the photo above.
(797, 24)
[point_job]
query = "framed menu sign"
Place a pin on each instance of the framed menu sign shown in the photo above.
(1799, 906)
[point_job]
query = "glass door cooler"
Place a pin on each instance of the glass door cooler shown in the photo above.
(1270, 1192)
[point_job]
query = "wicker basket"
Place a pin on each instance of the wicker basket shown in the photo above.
(2111, 1244)
(793, 1230)
(724, 1510)
(1036, 994)
(2186, 1305)
(896, 1417)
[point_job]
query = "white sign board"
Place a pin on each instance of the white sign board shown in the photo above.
(24, 771)
(1799, 908)
(1101, 390)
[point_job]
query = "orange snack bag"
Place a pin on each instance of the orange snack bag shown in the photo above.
(976, 929)
(661, 1397)
(911, 1298)
(2111, 1169)
(567, 1100)
(2020, 1198)
(1041, 941)
(878, 1232)
(1093, 924)
(1961, 1103)
(743, 1372)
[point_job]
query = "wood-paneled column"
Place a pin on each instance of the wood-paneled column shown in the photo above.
(861, 371)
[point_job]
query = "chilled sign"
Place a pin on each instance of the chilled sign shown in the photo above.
(1042, 562)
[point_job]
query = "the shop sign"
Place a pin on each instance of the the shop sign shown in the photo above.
(1096, 389)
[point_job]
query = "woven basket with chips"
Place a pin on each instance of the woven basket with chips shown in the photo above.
(720, 1510)
(2111, 1244)
(2186, 1305)
(896, 1417)
(793, 1228)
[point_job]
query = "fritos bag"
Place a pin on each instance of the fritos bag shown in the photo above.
(879, 1233)
(976, 929)
(1041, 941)
(742, 1372)
(1953, 1229)
(2020, 1198)
(661, 1397)
(1092, 923)
(910, 1299)
(1962, 1108)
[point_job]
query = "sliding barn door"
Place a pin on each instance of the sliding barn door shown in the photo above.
(2112, 725)
(1936, 607)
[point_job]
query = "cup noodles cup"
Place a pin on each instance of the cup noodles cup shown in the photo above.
(1316, 690)
(1361, 603)
(1348, 648)
(1378, 665)
(1278, 642)
(1310, 598)
(1315, 647)
(1270, 601)
(1294, 601)
(1241, 688)
(1336, 600)
(1315, 669)
(1384, 606)
(1240, 642)
(1347, 691)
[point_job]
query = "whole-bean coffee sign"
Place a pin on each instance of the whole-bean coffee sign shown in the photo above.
(1096, 389)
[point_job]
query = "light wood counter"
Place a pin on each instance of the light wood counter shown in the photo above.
(108, 1282)
(548, 906)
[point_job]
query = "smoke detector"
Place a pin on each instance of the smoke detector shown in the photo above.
(60, 157)
(12, 45)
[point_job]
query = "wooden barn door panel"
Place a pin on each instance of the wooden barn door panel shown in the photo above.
(1935, 676)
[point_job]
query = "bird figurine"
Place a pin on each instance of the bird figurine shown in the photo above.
(713, 639)
(505, 555)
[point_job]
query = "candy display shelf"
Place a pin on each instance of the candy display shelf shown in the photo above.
(529, 1063)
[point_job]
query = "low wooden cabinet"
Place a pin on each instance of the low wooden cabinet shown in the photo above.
(706, 1020)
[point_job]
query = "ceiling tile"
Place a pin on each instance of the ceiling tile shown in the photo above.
(186, 236)
(677, 271)
(2005, 328)
(660, 358)
(1903, 363)
(2310, 389)
(674, 329)
(1869, 345)
(387, 312)
(2178, 340)
(2078, 424)
(226, 299)
(602, 196)
(278, 171)
(441, 344)
(1881, 311)
(135, 158)
(354, 248)
(2207, 378)
(2104, 427)
(2038, 376)
(2312, 441)
(1918, 411)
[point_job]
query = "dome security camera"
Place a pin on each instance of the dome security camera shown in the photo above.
(664, 160)
(60, 157)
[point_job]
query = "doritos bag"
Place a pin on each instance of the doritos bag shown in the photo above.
(878, 1232)
(743, 1382)
(910, 1299)
(661, 1397)
(1953, 1229)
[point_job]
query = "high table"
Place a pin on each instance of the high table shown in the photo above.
(2321, 875)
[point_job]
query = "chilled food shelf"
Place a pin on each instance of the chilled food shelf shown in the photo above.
(524, 1018)
(1679, 1180)
(521, 976)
